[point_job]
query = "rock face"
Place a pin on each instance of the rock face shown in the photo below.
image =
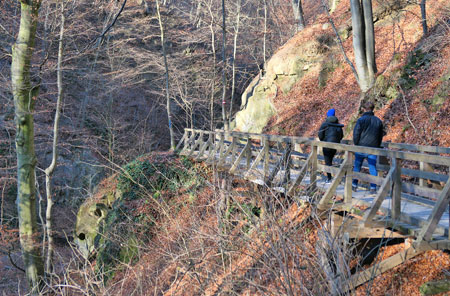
(90, 219)
(284, 69)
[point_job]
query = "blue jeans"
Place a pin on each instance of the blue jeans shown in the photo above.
(372, 160)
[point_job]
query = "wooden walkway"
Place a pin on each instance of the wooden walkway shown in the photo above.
(413, 185)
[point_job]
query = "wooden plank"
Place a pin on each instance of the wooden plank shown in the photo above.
(396, 190)
(223, 157)
(367, 178)
(256, 161)
(182, 141)
(422, 191)
(424, 167)
(435, 159)
(427, 231)
(391, 262)
(196, 143)
(277, 168)
(239, 158)
(302, 140)
(348, 178)
(424, 175)
(301, 175)
(323, 203)
(355, 229)
(381, 195)
(266, 168)
(286, 165)
(202, 150)
(313, 171)
(218, 148)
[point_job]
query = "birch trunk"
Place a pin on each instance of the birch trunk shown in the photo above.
(24, 101)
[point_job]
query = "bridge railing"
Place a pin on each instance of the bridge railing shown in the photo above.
(285, 161)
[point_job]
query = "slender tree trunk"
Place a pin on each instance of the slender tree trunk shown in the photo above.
(24, 101)
(224, 65)
(233, 82)
(423, 11)
(213, 47)
(298, 14)
(49, 171)
(264, 36)
(168, 105)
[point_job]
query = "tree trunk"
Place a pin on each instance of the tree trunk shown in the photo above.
(24, 100)
(423, 12)
(363, 43)
(49, 171)
(298, 14)
(233, 82)
(224, 65)
(168, 105)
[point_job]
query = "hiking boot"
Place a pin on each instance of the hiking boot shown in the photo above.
(373, 191)
(327, 181)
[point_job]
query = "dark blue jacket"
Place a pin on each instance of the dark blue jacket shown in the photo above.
(331, 130)
(368, 131)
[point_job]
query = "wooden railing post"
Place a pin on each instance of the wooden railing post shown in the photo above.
(234, 141)
(266, 158)
(396, 194)
(313, 171)
(249, 154)
(348, 177)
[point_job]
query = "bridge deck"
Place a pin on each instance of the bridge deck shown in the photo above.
(414, 213)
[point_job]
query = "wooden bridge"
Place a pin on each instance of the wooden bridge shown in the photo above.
(413, 186)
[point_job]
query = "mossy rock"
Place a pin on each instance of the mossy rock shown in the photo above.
(433, 288)
(111, 228)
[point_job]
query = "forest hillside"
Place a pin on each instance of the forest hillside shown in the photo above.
(132, 217)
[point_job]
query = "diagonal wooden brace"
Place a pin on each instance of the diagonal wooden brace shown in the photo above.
(323, 203)
(381, 195)
(239, 158)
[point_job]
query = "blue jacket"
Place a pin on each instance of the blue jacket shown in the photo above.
(368, 131)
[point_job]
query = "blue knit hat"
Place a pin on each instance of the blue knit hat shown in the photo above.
(331, 112)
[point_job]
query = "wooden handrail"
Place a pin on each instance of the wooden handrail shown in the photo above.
(406, 155)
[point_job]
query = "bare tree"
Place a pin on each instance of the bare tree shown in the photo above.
(233, 64)
(168, 105)
(25, 95)
(51, 168)
(224, 64)
(364, 43)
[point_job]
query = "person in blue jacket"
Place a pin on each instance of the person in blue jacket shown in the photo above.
(330, 131)
(369, 132)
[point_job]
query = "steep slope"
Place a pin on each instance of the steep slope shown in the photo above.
(309, 75)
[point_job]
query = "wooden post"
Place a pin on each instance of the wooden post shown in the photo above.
(396, 194)
(249, 154)
(427, 168)
(234, 148)
(348, 177)
(313, 171)
(266, 158)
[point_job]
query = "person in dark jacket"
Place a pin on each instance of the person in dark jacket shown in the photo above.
(369, 132)
(330, 131)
